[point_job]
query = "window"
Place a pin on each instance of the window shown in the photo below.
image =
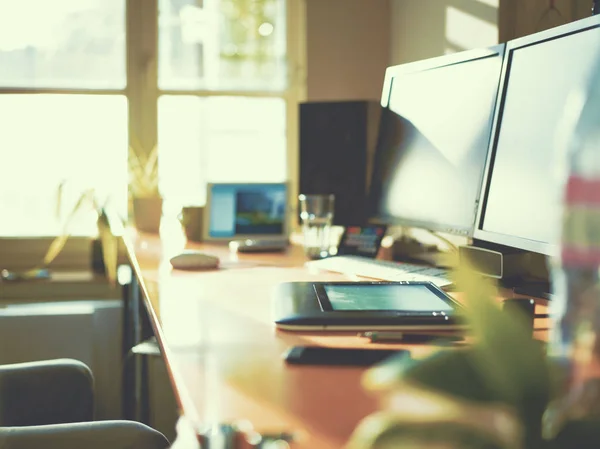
(223, 87)
(63, 110)
(72, 44)
(222, 45)
(214, 83)
(48, 138)
(239, 138)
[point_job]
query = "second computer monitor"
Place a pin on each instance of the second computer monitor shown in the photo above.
(433, 140)
(521, 195)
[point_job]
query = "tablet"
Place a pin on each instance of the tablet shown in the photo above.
(365, 306)
(410, 298)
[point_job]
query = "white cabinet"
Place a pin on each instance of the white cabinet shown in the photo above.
(87, 330)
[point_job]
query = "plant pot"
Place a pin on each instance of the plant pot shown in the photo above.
(191, 221)
(98, 257)
(147, 213)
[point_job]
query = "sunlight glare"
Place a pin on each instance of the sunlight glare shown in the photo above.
(468, 31)
(194, 24)
(66, 145)
(266, 29)
(35, 23)
(218, 139)
(492, 3)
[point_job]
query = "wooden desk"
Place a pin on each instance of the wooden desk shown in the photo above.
(223, 352)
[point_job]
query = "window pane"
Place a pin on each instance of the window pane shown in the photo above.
(47, 139)
(222, 44)
(62, 43)
(218, 139)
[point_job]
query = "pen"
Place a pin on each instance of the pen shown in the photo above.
(407, 337)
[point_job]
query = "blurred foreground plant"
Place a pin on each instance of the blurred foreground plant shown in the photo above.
(491, 394)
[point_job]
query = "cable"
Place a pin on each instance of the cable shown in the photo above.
(451, 246)
(402, 234)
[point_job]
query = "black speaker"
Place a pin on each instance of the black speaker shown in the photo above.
(337, 142)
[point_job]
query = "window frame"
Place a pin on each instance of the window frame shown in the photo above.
(142, 93)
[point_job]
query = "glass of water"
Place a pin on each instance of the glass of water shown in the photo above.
(316, 212)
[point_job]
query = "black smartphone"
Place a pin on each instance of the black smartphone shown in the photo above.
(321, 355)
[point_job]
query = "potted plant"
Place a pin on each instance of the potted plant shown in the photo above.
(146, 201)
(104, 247)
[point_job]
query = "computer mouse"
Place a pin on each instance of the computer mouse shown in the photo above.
(194, 260)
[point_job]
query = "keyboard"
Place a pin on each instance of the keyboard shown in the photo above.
(383, 269)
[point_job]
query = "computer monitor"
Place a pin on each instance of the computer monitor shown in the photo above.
(251, 210)
(520, 204)
(433, 140)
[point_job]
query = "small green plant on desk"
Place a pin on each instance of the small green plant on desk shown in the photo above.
(146, 201)
(87, 201)
(143, 171)
(492, 394)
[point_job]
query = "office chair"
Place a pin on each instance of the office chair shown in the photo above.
(50, 405)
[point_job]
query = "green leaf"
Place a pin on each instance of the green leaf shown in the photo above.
(509, 360)
(503, 365)
(109, 247)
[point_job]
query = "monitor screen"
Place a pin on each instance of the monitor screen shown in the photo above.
(246, 210)
(433, 141)
(521, 198)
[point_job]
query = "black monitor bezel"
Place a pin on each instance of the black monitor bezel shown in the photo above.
(545, 248)
(421, 66)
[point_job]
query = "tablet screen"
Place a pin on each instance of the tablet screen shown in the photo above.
(400, 297)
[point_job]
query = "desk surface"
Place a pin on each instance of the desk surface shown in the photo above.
(224, 353)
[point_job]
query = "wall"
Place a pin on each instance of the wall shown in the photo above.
(428, 28)
(519, 18)
(347, 48)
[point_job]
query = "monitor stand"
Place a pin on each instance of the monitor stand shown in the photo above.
(534, 289)
(528, 271)
(532, 286)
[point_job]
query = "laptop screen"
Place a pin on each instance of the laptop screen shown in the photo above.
(246, 210)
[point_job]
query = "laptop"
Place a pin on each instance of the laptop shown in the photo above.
(246, 212)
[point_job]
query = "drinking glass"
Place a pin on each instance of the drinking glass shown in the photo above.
(316, 212)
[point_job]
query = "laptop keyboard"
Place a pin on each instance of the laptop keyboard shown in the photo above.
(383, 269)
